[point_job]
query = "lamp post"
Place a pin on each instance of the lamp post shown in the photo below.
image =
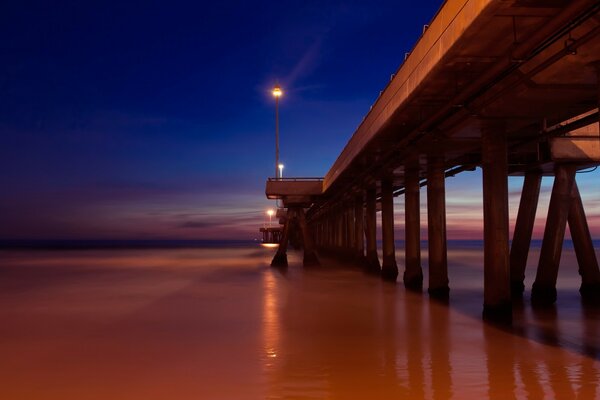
(280, 166)
(277, 92)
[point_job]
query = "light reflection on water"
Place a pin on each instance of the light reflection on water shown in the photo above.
(222, 324)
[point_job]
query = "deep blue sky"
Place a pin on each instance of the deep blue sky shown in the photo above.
(154, 119)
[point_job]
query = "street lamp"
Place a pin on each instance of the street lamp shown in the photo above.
(280, 166)
(270, 214)
(277, 93)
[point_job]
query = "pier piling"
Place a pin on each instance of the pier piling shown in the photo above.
(543, 291)
(523, 231)
(373, 265)
(584, 248)
(413, 274)
(389, 268)
(436, 227)
(496, 286)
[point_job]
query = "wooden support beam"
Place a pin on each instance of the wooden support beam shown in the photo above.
(497, 300)
(523, 231)
(359, 242)
(543, 291)
(413, 274)
(436, 227)
(371, 231)
(584, 248)
(389, 268)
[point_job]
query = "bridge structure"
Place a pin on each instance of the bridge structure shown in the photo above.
(508, 86)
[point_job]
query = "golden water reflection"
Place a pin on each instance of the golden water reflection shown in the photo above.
(222, 324)
(343, 335)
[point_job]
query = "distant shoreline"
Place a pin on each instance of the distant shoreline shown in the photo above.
(118, 244)
(191, 244)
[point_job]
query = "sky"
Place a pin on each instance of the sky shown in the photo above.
(154, 119)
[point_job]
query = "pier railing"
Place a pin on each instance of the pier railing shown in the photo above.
(301, 179)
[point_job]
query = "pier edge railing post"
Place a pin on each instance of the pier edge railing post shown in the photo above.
(436, 226)
(521, 241)
(389, 268)
(373, 265)
(413, 274)
(497, 305)
(543, 291)
(584, 248)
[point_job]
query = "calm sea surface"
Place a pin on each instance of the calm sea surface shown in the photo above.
(219, 323)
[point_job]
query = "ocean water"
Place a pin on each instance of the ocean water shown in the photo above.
(216, 322)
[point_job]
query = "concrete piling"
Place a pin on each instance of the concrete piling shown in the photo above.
(496, 287)
(389, 268)
(413, 274)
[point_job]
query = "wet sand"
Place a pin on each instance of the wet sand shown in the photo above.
(221, 324)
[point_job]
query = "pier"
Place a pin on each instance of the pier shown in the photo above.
(511, 87)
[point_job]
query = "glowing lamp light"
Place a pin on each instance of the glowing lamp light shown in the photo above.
(270, 213)
(277, 92)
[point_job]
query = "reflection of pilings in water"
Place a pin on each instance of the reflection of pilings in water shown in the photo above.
(588, 373)
(441, 369)
(389, 335)
(548, 330)
(270, 328)
(556, 367)
(414, 345)
(588, 376)
(526, 366)
(500, 363)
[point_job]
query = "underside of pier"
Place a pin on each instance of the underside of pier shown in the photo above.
(511, 87)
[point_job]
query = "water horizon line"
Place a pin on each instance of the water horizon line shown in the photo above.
(90, 244)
